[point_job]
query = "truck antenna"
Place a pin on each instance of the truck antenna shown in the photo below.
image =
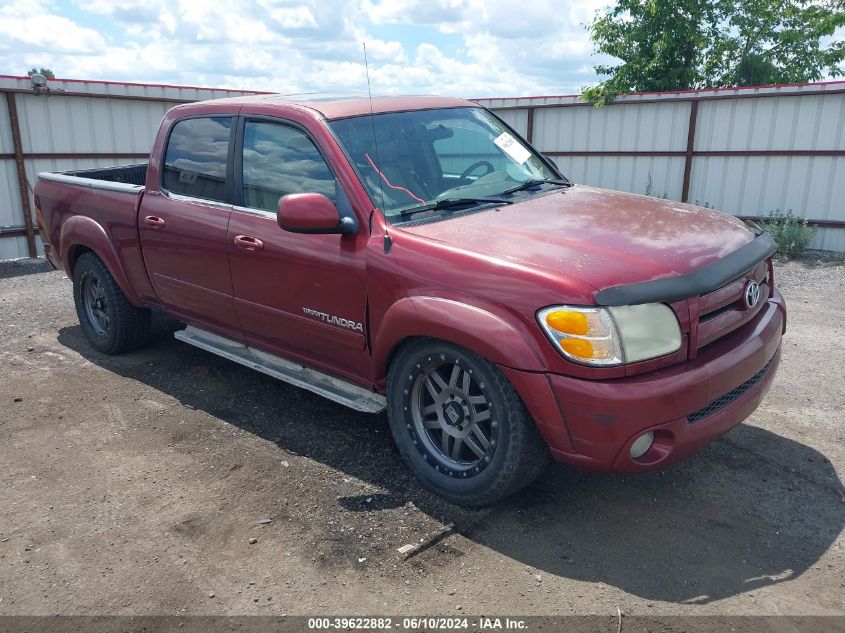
(373, 122)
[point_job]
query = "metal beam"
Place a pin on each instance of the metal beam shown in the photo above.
(82, 155)
(14, 124)
(693, 118)
(98, 95)
(615, 153)
(669, 99)
(753, 153)
(762, 153)
(13, 231)
(16, 231)
(529, 130)
(77, 155)
(822, 224)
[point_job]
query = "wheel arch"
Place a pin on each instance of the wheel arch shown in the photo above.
(474, 328)
(81, 234)
(74, 253)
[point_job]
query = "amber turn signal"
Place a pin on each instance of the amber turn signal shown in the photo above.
(568, 322)
(577, 347)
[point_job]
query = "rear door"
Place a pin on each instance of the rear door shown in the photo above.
(302, 296)
(183, 223)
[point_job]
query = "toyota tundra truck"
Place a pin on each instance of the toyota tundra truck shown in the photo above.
(415, 255)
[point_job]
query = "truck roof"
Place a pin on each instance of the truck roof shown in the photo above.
(332, 106)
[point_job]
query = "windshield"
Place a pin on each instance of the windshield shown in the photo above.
(425, 157)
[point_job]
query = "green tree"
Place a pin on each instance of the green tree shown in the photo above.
(683, 44)
(40, 71)
(755, 70)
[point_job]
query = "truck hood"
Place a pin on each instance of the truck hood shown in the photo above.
(603, 238)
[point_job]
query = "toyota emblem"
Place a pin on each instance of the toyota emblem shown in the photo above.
(752, 294)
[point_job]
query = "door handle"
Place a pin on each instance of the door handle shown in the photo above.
(154, 221)
(248, 243)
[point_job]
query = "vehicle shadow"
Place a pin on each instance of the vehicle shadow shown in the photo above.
(21, 267)
(752, 510)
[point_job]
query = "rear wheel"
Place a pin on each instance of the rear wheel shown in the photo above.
(110, 322)
(460, 425)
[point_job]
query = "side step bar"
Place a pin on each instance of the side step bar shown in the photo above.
(346, 393)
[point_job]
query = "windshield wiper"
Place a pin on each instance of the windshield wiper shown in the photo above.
(451, 203)
(536, 182)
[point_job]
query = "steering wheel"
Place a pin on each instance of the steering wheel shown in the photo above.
(480, 163)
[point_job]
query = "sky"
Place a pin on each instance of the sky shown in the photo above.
(469, 48)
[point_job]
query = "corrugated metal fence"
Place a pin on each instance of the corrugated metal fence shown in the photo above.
(77, 124)
(746, 151)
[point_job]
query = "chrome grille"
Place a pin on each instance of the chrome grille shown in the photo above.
(723, 310)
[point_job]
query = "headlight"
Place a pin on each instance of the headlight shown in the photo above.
(612, 336)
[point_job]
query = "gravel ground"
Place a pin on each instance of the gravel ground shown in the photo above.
(172, 481)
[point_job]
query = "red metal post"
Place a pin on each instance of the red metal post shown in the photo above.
(19, 164)
(529, 133)
(693, 117)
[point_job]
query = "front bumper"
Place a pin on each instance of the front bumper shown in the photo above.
(592, 423)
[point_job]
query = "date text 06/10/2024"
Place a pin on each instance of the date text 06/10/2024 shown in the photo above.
(416, 623)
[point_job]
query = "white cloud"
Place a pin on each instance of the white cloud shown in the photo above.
(133, 13)
(23, 8)
(489, 47)
(381, 51)
(29, 29)
(420, 12)
(540, 43)
(294, 17)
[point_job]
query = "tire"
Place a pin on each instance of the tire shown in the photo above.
(111, 324)
(471, 396)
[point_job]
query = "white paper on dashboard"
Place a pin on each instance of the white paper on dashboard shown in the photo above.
(513, 148)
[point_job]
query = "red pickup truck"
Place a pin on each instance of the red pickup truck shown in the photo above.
(415, 254)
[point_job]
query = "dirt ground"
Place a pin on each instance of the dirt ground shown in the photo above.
(135, 485)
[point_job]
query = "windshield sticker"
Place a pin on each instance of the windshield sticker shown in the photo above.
(513, 148)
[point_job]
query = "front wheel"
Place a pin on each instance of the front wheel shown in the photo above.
(111, 324)
(460, 426)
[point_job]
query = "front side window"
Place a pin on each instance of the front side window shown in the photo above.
(416, 160)
(279, 160)
(195, 159)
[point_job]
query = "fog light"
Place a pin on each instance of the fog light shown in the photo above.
(642, 444)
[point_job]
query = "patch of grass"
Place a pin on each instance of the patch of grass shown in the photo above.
(649, 189)
(792, 233)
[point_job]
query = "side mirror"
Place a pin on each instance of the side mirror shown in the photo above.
(311, 213)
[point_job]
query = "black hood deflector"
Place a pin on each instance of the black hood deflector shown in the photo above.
(695, 283)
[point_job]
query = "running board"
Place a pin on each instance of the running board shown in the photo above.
(346, 393)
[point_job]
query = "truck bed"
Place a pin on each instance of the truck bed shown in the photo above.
(98, 205)
(103, 177)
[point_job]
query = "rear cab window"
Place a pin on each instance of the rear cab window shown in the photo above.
(195, 161)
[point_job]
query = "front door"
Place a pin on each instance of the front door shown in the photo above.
(302, 296)
(183, 225)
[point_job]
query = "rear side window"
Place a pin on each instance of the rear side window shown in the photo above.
(279, 160)
(195, 160)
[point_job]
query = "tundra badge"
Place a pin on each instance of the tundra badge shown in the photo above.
(334, 320)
